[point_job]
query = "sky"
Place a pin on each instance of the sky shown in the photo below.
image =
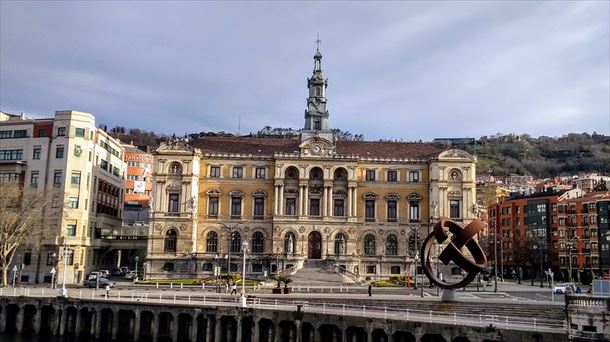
(396, 70)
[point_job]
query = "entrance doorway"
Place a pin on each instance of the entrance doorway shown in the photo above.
(314, 246)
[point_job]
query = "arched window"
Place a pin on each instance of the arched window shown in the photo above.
(175, 167)
(235, 242)
(340, 241)
(170, 241)
(369, 244)
(211, 244)
(289, 243)
(391, 245)
(257, 242)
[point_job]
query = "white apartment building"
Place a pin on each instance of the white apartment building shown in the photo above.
(81, 167)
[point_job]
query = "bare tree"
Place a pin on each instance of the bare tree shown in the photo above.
(22, 212)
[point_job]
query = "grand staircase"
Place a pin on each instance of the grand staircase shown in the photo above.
(318, 273)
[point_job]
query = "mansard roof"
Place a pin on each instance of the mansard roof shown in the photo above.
(270, 146)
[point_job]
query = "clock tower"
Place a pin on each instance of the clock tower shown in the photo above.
(316, 114)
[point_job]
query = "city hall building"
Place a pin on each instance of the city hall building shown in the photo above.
(363, 206)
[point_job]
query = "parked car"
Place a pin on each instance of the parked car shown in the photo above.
(104, 273)
(563, 287)
(117, 272)
(124, 270)
(93, 275)
(93, 282)
(132, 274)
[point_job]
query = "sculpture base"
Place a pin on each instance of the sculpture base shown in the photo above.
(449, 296)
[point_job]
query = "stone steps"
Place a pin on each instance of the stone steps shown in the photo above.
(317, 273)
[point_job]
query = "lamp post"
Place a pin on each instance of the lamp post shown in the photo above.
(53, 270)
(244, 249)
(63, 292)
(135, 279)
(216, 273)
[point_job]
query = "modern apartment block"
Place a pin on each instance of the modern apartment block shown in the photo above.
(82, 168)
(564, 230)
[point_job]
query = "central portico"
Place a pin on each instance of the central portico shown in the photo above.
(359, 205)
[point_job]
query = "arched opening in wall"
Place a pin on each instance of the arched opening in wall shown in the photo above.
(29, 316)
(106, 323)
(340, 244)
(433, 338)
(265, 330)
(356, 334)
(403, 336)
(184, 326)
(166, 320)
(12, 310)
(70, 313)
(314, 245)
(461, 339)
(369, 244)
(329, 333)
(229, 329)
(258, 243)
(125, 317)
(84, 328)
(47, 316)
(379, 336)
(287, 331)
(307, 332)
(170, 241)
(247, 326)
(147, 321)
(291, 191)
(391, 245)
(175, 168)
(316, 191)
(289, 244)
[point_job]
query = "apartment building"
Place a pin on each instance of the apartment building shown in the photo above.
(82, 168)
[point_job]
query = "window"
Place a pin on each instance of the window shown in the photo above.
(73, 203)
(259, 207)
(235, 207)
(11, 154)
(392, 176)
(215, 171)
(392, 210)
(238, 172)
(79, 132)
(51, 258)
(395, 269)
(370, 175)
(371, 269)
(211, 242)
(104, 165)
(260, 173)
(170, 241)
(43, 132)
(21, 133)
(213, 206)
(34, 179)
(369, 206)
(454, 208)
(414, 210)
(6, 134)
(71, 231)
(168, 267)
(413, 176)
(27, 258)
(61, 131)
(391, 245)
(257, 242)
(57, 175)
(340, 242)
(291, 206)
(36, 152)
(69, 257)
(339, 207)
(314, 207)
(174, 203)
(235, 245)
(369, 244)
(75, 179)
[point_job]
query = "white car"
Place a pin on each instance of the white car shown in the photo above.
(563, 287)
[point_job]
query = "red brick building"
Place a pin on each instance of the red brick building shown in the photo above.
(138, 183)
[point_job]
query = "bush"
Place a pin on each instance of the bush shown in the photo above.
(385, 283)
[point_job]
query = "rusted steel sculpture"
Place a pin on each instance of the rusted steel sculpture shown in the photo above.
(453, 251)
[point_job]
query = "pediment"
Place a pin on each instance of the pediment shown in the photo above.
(317, 147)
(455, 154)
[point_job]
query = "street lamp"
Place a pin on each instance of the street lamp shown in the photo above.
(53, 270)
(244, 249)
(216, 272)
(63, 292)
(135, 279)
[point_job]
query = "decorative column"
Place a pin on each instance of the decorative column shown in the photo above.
(325, 202)
(218, 329)
(276, 198)
(194, 328)
(349, 202)
(19, 319)
(136, 326)
(306, 200)
(208, 329)
(281, 200)
(355, 202)
(115, 324)
(301, 192)
(77, 326)
(330, 201)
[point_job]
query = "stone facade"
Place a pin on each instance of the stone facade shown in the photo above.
(362, 206)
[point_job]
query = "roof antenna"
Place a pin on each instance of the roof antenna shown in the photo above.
(318, 41)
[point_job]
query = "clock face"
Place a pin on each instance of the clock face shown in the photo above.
(316, 149)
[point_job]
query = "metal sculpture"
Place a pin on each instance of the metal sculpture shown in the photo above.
(453, 251)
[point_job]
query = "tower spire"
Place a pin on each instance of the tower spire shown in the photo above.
(316, 114)
(317, 65)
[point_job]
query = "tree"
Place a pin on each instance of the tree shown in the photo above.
(22, 212)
